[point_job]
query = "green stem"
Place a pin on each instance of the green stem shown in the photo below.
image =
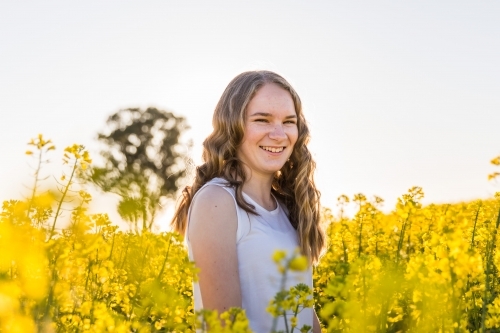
(360, 238)
(286, 322)
(401, 238)
(66, 189)
(344, 247)
(37, 172)
(164, 261)
(409, 239)
(490, 247)
(475, 224)
(139, 282)
(112, 246)
(364, 295)
(88, 275)
(455, 302)
(467, 287)
(383, 319)
(52, 283)
(295, 313)
(486, 287)
(125, 253)
(282, 288)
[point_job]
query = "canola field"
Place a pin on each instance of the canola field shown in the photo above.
(417, 269)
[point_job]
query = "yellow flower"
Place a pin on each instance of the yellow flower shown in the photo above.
(279, 255)
(299, 263)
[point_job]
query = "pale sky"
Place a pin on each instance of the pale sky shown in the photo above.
(397, 93)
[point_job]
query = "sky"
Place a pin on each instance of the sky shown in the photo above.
(397, 94)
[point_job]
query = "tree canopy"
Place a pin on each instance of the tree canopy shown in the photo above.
(144, 161)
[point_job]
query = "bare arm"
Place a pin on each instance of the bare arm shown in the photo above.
(212, 234)
(316, 325)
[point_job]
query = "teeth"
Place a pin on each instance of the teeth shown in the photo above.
(273, 150)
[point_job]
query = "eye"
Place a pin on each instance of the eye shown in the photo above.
(261, 120)
(293, 122)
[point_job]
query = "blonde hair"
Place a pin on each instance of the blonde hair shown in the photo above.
(293, 185)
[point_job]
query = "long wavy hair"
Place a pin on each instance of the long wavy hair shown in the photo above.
(293, 185)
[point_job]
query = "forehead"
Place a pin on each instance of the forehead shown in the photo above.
(271, 98)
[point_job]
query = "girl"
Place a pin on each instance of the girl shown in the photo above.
(253, 195)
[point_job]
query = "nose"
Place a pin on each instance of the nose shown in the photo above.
(277, 133)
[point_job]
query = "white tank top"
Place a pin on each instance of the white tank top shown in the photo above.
(257, 238)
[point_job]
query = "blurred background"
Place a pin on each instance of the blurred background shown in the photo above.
(396, 94)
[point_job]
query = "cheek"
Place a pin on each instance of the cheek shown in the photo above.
(293, 136)
(253, 134)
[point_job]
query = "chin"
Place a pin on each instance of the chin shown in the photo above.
(275, 169)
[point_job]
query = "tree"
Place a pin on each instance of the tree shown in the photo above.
(144, 161)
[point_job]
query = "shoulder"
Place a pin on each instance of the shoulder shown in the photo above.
(211, 195)
(213, 208)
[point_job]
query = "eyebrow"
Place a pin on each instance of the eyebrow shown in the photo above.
(265, 114)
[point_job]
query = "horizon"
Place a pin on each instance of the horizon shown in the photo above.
(396, 94)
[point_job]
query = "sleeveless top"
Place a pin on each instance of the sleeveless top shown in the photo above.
(257, 238)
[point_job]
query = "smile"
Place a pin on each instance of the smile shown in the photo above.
(273, 149)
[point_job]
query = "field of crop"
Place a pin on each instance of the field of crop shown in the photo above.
(417, 269)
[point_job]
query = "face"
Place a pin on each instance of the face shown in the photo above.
(270, 131)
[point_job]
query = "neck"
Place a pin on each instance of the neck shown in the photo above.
(258, 187)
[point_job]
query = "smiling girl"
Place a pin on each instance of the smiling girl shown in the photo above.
(253, 195)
